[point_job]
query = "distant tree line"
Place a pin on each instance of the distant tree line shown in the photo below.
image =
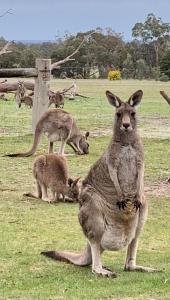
(146, 56)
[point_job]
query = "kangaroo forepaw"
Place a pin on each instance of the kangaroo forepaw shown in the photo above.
(137, 204)
(121, 204)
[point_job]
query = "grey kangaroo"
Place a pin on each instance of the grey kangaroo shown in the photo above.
(51, 172)
(113, 209)
(58, 125)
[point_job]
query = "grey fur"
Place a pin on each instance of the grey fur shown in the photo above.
(113, 208)
(51, 172)
(58, 125)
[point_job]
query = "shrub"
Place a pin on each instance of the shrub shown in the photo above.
(165, 63)
(114, 75)
(142, 69)
(164, 78)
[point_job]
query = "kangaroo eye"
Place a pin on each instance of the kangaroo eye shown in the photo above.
(118, 115)
(133, 114)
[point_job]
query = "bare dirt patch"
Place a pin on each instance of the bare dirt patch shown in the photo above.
(4, 131)
(159, 189)
(154, 127)
(150, 127)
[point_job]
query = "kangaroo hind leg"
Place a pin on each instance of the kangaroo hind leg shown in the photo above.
(97, 267)
(50, 147)
(130, 263)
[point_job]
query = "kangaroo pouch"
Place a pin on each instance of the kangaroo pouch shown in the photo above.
(118, 234)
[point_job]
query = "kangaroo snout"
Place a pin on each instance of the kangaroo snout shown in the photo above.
(126, 125)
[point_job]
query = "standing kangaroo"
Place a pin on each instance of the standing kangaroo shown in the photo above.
(58, 125)
(51, 171)
(20, 93)
(56, 98)
(113, 209)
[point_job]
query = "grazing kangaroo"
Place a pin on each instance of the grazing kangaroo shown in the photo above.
(113, 209)
(58, 125)
(51, 171)
(57, 99)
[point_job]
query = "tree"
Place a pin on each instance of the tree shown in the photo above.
(152, 31)
(128, 70)
(165, 63)
(142, 70)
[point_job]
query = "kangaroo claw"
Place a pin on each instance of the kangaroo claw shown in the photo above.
(121, 204)
(137, 204)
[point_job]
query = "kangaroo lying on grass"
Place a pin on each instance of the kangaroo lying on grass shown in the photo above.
(51, 171)
(113, 209)
(58, 125)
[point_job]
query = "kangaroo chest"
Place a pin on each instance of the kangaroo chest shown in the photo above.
(127, 170)
(121, 226)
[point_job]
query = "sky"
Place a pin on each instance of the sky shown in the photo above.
(46, 19)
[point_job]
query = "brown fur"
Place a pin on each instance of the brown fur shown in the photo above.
(57, 99)
(113, 209)
(51, 171)
(20, 93)
(28, 101)
(58, 125)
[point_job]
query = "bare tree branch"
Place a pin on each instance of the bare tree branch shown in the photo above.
(165, 96)
(64, 91)
(4, 49)
(57, 64)
(9, 11)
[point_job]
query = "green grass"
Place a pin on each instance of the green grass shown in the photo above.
(30, 226)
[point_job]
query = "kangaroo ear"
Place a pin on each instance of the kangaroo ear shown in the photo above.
(135, 99)
(76, 180)
(113, 99)
(165, 96)
(87, 134)
(70, 181)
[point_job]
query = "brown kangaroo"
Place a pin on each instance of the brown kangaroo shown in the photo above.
(57, 99)
(113, 209)
(20, 93)
(51, 171)
(27, 100)
(58, 125)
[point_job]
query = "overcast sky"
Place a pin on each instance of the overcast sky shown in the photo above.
(45, 19)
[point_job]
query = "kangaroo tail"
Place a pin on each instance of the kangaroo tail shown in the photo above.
(31, 195)
(37, 135)
(79, 259)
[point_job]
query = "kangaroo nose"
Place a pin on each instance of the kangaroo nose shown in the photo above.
(126, 125)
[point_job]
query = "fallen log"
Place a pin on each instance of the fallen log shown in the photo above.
(18, 72)
(10, 87)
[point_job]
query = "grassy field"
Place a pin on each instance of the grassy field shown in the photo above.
(30, 226)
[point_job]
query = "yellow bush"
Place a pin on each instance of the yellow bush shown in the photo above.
(114, 75)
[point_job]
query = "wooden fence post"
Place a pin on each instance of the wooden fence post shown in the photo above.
(40, 102)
